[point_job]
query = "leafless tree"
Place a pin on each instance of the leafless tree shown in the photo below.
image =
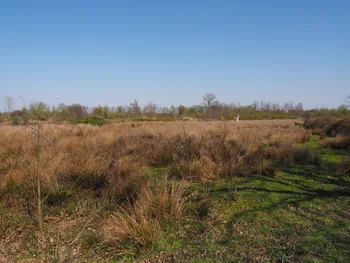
(10, 103)
(135, 107)
(209, 100)
(347, 101)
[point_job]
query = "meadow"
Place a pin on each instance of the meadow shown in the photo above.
(179, 191)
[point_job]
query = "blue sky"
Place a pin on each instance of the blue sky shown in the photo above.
(173, 52)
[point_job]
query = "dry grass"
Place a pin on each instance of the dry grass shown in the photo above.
(106, 166)
(337, 142)
(112, 159)
(137, 229)
(121, 150)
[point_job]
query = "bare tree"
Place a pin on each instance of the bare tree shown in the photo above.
(135, 107)
(347, 101)
(10, 103)
(209, 100)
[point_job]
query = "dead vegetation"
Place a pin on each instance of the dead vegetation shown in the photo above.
(98, 174)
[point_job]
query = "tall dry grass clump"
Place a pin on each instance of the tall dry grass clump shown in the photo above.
(138, 228)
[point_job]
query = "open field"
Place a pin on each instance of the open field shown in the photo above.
(248, 191)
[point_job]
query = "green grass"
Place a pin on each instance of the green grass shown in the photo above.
(330, 156)
(301, 215)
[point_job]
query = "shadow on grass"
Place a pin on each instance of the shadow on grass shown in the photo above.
(305, 206)
(305, 184)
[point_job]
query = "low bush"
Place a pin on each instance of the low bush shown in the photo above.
(338, 142)
(303, 155)
(338, 127)
(318, 123)
(91, 120)
(328, 126)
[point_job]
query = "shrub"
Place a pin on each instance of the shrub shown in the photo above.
(278, 154)
(227, 155)
(161, 153)
(186, 147)
(124, 180)
(200, 169)
(319, 123)
(303, 155)
(339, 127)
(329, 126)
(338, 142)
(90, 120)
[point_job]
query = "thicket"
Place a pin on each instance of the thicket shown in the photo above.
(335, 133)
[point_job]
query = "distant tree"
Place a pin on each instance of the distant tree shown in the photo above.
(299, 107)
(164, 110)
(17, 113)
(173, 110)
(77, 111)
(262, 105)
(276, 107)
(121, 109)
(255, 105)
(135, 107)
(347, 101)
(216, 110)
(288, 106)
(182, 110)
(106, 112)
(343, 110)
(39, 110)
(98, 111)
(9, 103)
(150, 108)
(62, 112)
(209, 100)
(196, 109)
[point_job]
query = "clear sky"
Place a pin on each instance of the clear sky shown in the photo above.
(173, 52)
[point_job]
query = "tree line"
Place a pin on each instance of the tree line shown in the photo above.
(209, 108)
